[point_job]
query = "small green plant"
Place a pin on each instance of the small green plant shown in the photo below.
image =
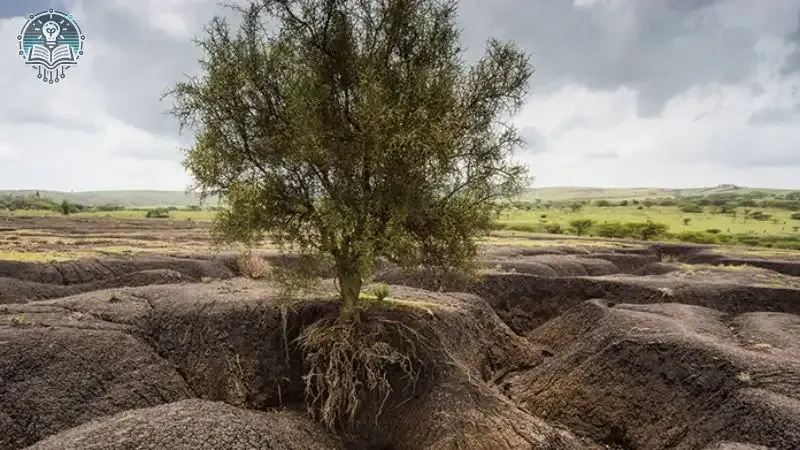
(114, 298)
(381, 292)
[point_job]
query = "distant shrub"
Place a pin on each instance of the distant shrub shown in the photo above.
(697, 237)
(157, 213)
(795, 216)
(194, 208)
(759, 215)
(581, 226)
(554, 228)
(610, 230)
(647, 230)
(686, 220)
(108, 208)
(623, 203)
(692, 208)
(602, 203)
(65, 208)
(714, 231)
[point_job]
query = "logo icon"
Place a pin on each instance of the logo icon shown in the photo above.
(50, 42)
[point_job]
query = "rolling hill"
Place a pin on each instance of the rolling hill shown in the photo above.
(123, 198)
(181, 199)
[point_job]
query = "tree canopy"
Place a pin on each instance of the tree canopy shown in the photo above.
(355, 129)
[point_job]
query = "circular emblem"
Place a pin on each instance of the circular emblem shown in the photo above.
(50, 42)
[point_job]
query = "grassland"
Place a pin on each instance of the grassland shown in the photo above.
(780, 224)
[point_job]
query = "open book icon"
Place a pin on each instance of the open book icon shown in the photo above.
(61, 54)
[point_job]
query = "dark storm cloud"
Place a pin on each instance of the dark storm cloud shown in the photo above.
(658, 47)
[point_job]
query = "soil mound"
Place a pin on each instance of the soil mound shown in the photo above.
(233, 342)
(526, 301)
(93, 270)
(21, 282)
(194, 424)
(666, 376)
(60, 368)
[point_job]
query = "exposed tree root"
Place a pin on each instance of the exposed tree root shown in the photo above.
(357, 366)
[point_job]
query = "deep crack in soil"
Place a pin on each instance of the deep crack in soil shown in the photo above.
(667, 347)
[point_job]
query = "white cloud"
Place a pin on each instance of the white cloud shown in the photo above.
(704, 136)
(103, 127)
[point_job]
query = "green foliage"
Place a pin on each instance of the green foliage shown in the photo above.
(65, 208)
(692, 208)
(553, 228)
(759, 215)
(697, 237)
(686, 220)
(611, 230)
(354, 129)
(795, 216)
(647, 230)
(581, 226)
(158, 213)
(637, 230)
(381, 292)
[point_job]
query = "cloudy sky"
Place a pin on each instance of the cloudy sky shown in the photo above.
(671, 93)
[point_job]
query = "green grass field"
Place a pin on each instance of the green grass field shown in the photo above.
(670, 216)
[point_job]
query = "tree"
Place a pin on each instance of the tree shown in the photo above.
(65, 207)
(686, 221)
(575, 207)
(581, 226)
(647, 230)
(354, 129)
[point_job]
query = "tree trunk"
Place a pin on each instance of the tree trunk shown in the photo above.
(350, 288)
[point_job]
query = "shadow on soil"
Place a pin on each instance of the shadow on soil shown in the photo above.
(667, 347)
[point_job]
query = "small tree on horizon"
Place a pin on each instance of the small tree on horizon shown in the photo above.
(354, 129)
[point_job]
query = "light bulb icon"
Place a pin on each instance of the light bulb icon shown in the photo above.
(51, 30)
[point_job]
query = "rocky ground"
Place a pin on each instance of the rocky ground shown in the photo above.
(555, 346)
